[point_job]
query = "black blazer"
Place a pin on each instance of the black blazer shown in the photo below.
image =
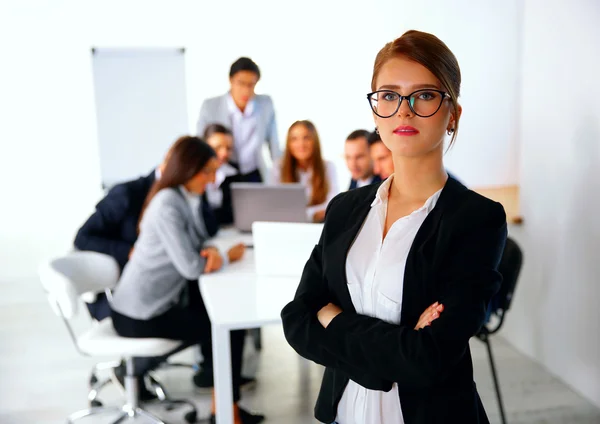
(112, 228)
(224, 213)
(453, 260)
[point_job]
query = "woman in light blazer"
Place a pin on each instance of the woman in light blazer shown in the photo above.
(158, 293)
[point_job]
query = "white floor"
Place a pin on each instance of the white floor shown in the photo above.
(43, 379)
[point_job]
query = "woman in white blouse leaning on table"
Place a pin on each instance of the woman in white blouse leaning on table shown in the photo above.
(303, 163)
(404, 270)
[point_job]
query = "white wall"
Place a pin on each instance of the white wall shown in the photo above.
(316, 59)
(556, 318)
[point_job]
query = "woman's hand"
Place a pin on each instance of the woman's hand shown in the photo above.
(432, 313)
(328, 313)
(214, 261)
(236, 252)
(319, 216)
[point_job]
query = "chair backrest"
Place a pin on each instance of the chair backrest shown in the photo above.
(66, 278)
(510, 268)
(281, 248)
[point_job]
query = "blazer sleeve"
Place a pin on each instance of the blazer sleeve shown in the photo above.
(203, 119)
(272, 137)
(304, 332)
(418, 359)
(171, 230)
(98, 233)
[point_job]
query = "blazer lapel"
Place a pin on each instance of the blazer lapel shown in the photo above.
(417, 290)
(341, 245)
(223, 114)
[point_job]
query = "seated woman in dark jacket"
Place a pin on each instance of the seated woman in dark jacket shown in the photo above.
(218, 193)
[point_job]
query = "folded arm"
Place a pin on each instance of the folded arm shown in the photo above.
(418, 359)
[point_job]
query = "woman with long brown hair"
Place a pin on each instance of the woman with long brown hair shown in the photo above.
(404, 270)
(303, 163)
(158, 293)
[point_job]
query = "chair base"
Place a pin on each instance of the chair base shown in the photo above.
(127, 413)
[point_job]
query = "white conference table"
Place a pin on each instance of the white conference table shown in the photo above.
(237, 298)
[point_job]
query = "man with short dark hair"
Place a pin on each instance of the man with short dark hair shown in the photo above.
(251, 118)
(383, 164)
(358, 159)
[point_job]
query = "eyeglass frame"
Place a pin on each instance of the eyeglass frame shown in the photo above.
(444, 94)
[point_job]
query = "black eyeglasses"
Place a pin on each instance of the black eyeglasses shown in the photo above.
(423, 103)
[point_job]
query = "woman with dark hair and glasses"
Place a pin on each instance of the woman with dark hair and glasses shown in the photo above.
(158, 293)
(401, 277)
(218, 194)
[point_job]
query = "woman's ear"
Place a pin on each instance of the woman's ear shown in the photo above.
(454, 118)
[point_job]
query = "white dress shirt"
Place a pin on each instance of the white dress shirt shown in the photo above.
(214, 194)
(245, 137)
(375, 271)
(363, 183)
(305, 178)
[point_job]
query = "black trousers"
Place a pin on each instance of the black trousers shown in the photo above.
(251, 177)
(100, 308)
(191, 325)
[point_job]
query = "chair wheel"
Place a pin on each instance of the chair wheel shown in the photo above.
(191, 416)
(93, 380)
(95, 403)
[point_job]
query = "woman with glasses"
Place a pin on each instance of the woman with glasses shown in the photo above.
(401, 277)
(303, 163)
(218, 194)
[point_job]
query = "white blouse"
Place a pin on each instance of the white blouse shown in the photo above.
(305, 179)
(214, 194)
(375, 271)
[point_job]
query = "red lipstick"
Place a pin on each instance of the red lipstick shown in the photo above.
(406, 130)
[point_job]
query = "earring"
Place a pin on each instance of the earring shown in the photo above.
(450, 131)
(377, 130)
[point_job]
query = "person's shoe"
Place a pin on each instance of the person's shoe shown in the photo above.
(247, 383)
(204, 380)
(145, 395)
(245, 417)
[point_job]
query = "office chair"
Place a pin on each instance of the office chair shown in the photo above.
(64, 280)
(510, 268)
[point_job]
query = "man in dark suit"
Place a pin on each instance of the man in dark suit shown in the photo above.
(112, 228)
(358, 160)
(381, 156)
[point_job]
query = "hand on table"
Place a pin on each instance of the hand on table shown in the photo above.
(214, 261)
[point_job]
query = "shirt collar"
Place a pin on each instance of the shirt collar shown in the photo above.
(189, 196)
(228, 170)
(381, 197)
(234, 110)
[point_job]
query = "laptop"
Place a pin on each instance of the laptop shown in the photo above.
(254, 202)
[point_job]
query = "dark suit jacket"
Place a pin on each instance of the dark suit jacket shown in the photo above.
(374, 180)
(224, 214)
(112, 228)
(453, 260)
